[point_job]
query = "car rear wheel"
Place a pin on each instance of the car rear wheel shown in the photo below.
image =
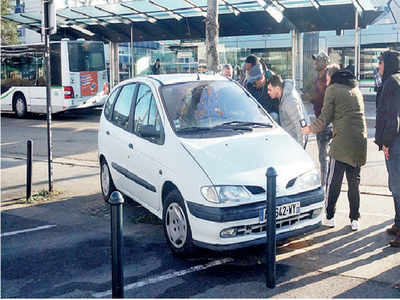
(106, 182)
(176, 225)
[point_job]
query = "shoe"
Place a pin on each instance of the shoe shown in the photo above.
(394, 230)
(330, 222)
(396, 242)
(354, 225)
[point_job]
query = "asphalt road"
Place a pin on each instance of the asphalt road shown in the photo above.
(62, 249)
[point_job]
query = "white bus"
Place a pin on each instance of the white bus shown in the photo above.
(78, 77)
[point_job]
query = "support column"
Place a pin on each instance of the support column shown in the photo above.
(114, 64)
(132, 57)
(110, 47)
(295, 55)
(356, 47)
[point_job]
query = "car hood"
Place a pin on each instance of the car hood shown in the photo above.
(244, 159)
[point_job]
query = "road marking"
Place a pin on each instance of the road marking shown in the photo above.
(27, 230)
(181, 273)
(367, 214)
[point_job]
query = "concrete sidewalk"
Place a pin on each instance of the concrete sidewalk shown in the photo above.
(72, 178)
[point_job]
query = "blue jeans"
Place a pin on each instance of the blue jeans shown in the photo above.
(393, 168)
(323, 139)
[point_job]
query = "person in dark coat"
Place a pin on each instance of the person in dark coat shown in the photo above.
(256, 83)
(387, 134)
(321, 61)
(156, 68)
(344, 108)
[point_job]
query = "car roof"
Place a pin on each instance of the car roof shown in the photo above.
(166, 79)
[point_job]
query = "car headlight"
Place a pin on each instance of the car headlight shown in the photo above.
(308, 181)
(225, 193)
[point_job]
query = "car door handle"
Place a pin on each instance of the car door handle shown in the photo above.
(107, 132)
(130, 146)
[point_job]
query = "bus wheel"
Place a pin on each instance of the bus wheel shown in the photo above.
(20, 108)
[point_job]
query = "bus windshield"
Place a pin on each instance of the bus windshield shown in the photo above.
(86, 57)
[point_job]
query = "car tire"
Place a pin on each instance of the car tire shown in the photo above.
(106, 182)
(176, 225)
(20, 107)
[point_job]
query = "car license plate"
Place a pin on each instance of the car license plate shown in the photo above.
(282, 211)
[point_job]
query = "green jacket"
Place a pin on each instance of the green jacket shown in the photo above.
(344, 108)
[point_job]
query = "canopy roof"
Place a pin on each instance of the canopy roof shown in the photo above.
(184, 19)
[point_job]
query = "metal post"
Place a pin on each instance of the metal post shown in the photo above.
(48, 96)
(116, 200)
(356, 46)
(111, 47)
(294, 53)
(271, 228)
(116, 63)
(28, 170)
(132, 59)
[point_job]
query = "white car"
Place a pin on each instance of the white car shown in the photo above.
(194, 149)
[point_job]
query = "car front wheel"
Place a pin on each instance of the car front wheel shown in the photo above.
(176, 225)
(106, 182)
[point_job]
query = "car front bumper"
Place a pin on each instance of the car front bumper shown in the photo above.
(207, 222)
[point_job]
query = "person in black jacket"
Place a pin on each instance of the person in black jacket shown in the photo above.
(156, 68)
(387, 134)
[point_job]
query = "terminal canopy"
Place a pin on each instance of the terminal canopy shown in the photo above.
(185, 19)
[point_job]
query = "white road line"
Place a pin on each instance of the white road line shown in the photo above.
(367, 214)
(27, 230)
(152, 280)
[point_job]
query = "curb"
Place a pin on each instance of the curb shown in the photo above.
(61, 161)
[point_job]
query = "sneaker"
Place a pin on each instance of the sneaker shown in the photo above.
(330, 222)
(354, 225)
(396, 242)
(394, 230)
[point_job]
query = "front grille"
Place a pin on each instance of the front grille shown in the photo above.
(259, 228)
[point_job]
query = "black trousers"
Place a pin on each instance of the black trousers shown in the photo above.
(334, 179)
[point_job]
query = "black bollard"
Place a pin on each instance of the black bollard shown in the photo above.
(116, 200)
(271, 228)
(28, 170)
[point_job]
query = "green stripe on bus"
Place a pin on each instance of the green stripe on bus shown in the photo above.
(8, 93)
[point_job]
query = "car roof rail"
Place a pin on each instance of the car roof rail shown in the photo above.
(156, 79)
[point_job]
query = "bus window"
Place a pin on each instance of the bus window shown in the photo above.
(21, 71)
(86, 57)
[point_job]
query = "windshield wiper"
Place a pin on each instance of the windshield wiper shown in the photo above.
(192, 129)
(244, 123)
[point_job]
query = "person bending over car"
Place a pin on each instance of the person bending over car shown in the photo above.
(291, 109)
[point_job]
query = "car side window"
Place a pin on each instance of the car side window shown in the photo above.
(147, 123)
(109, 104)
(122, 108)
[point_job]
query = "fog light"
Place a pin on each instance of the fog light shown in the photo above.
(227, 233)
(316, 212)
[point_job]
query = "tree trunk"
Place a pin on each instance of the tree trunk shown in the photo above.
(212, 34)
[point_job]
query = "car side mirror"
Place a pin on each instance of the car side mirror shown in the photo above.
(149, 131)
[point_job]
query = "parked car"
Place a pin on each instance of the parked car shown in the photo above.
(194, 149)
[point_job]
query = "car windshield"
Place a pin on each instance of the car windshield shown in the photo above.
(206, 105)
